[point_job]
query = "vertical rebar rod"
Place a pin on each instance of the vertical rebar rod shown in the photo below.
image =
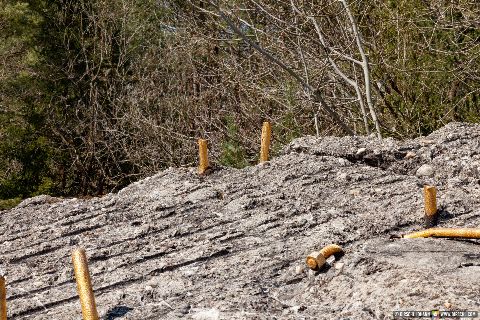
(266, 136)
(430, 195)
(203, 155)
(84, 285)
(3, 299)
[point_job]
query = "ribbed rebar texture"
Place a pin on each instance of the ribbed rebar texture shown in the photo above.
(317, 259)
(331, 249)
(431, 216)
(84, 285)
(3, 299)
(471, 233)
(266, 137)
(203, 156)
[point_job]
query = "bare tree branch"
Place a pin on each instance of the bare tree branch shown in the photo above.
(365, 66)
(315, 93)
(337, 70)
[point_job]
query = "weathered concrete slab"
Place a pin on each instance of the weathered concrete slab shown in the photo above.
(232, 245)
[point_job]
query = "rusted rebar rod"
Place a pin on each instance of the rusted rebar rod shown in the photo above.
(430, 196)
(265, 143)
(203, 156)
(471, 233)
(84, 285)
(3, 299)
(317, 259)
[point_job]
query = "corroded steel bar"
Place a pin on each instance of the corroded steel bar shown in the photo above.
(430, 195)
(203, 155)
(317, 259)
(330, 250)
(3, 299)
(266, 137)
(471, 233)
(84, 285)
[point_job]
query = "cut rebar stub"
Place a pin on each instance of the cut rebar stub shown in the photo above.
(266, 137)
(431, 216)
(203, 156)
(3, 299)
(84, 285)
(316, 260)
(467, 233)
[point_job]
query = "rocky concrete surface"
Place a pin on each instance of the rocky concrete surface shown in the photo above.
(232, 245)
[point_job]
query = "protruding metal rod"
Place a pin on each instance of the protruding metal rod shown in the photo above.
(468, 233)
(84, 285)
(266, 137)
(317, 259)
(203, 155)
(3, 299)
(431, 216)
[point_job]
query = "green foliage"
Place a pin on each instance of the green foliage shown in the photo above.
(233, 153)
(29, 159)
(24, 150)
(9, 203)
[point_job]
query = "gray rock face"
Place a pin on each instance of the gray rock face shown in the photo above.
(232, 245)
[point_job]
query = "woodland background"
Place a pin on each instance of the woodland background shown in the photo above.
(95, 94)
